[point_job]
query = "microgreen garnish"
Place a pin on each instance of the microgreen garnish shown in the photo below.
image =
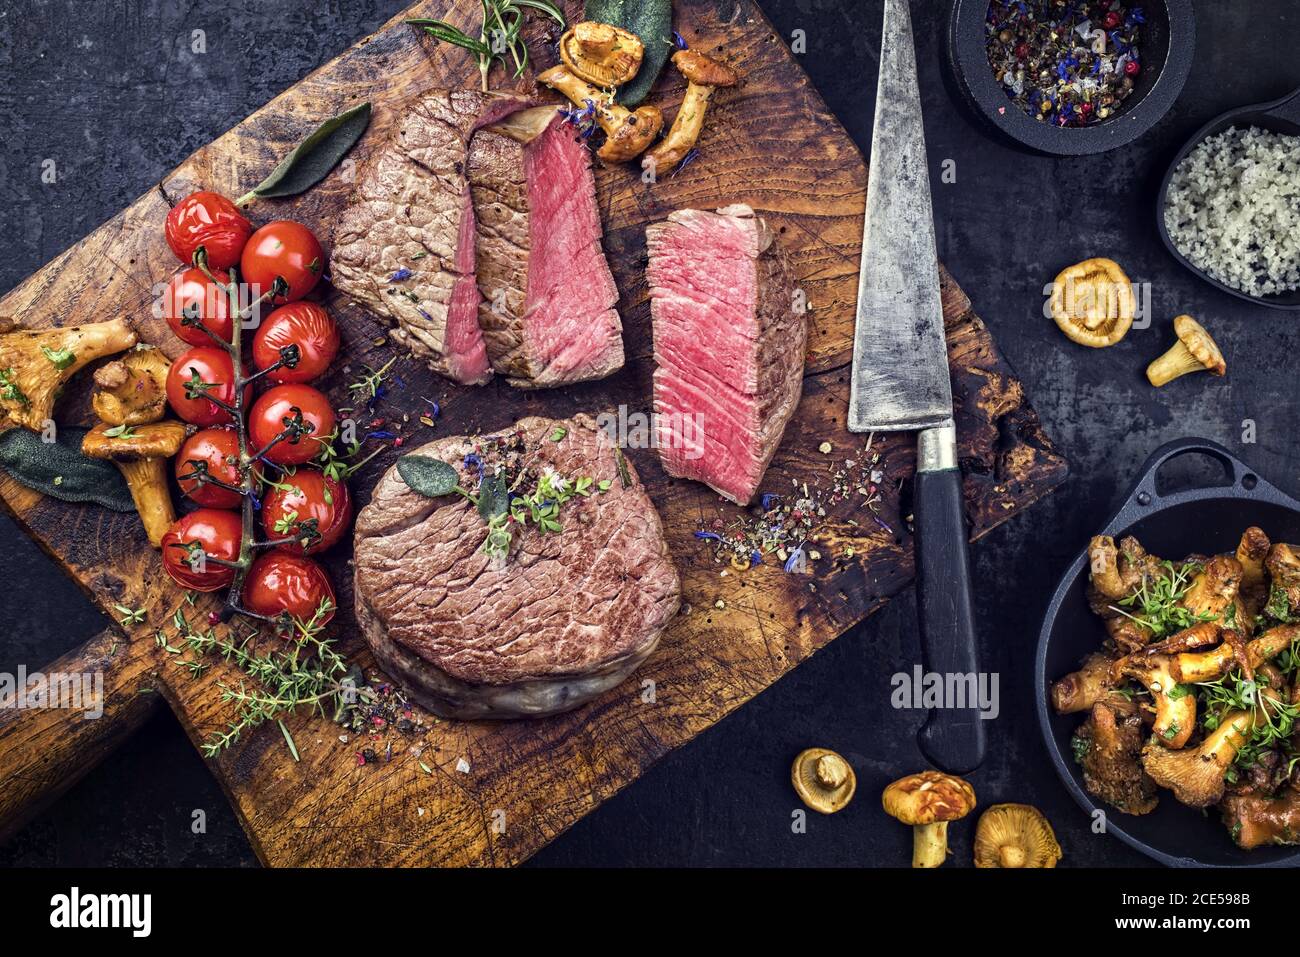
(1159, 601)
(120, 432)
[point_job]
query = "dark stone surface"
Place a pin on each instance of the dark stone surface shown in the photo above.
(110, 92)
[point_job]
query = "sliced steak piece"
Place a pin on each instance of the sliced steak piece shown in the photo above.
(568, 615)
(547, 313)
(404, 248)
(728, 345)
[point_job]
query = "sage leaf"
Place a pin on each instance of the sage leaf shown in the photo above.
(428, 476)
(313, 158)
(652, 22)
(59, 470)
(493, 497)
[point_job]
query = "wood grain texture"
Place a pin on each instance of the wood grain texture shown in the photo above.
(43, 752)
(495, 792)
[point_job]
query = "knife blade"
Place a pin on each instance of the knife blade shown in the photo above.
(900, 382)
(900, 360)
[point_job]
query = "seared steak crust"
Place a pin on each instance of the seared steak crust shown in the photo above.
(404, 248)
(569, 615)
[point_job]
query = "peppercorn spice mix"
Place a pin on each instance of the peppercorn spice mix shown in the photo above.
(1066, 62)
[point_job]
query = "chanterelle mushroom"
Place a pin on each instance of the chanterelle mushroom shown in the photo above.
(928, 801)
(35, 364)
(1092, 303)
(703, 76)
(1015, 835)
(1195, 775)
(132, 390)
(1195, 351)
(1175, 705)
(601, 54)
(823, 780)
(627, 133)
(142, 454)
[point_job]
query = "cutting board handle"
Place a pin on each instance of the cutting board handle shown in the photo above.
(44, 750)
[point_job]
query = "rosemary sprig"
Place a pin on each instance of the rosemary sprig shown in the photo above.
(500, 35)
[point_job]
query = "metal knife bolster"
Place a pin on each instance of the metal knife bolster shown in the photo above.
(936, 449)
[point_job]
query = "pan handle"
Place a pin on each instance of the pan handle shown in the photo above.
(1243, 480)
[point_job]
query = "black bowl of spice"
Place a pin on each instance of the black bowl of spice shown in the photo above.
(1070, 77)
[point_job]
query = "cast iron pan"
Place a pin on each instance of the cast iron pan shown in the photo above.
(1277, 116)
(1170, 36)
(1205, 520)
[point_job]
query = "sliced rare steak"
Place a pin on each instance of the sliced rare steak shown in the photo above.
(404, 247)
(569, 614)
(547, 314)
(728, 345)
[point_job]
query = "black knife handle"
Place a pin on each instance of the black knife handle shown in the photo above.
(951, 738)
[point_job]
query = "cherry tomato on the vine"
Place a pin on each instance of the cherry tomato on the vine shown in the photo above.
(194, 540)
(286, 250)
(282, 582)
(209, 221)
(302, 324)
(274, 413)
(192, 293)
(302, 497)
(211, 364)
(217, 452)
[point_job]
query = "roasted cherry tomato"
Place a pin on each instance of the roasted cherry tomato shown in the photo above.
(307, 496)
(192, 293)
(268, 419)
(210, 222)
(194, 540)
(212, 365)
(284, 250)
(302, 324)
(282, 582)
(216, 452)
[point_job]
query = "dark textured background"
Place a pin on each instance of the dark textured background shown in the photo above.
(102, 88)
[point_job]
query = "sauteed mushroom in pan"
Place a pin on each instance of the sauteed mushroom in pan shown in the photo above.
(1195, 688)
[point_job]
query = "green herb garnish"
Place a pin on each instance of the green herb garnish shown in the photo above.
(1159, 601)
(60, 358)
(499, 36)
(313, 158)
(9, 390)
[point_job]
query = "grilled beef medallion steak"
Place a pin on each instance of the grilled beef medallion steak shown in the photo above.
(729, 344)
(404, 248)
(568, 615)
(547, 313)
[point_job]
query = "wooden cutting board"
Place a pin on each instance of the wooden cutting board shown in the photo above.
(493, 793)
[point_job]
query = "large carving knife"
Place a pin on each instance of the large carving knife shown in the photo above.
(901, 383)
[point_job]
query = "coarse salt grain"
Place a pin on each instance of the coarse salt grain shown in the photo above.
(1233, 210)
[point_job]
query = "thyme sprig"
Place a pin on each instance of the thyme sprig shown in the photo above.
(305, 672)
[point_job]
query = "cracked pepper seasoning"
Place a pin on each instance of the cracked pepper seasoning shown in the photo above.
(1070, 63)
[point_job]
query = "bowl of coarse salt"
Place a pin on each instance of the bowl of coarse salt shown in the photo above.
(1229, 206)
